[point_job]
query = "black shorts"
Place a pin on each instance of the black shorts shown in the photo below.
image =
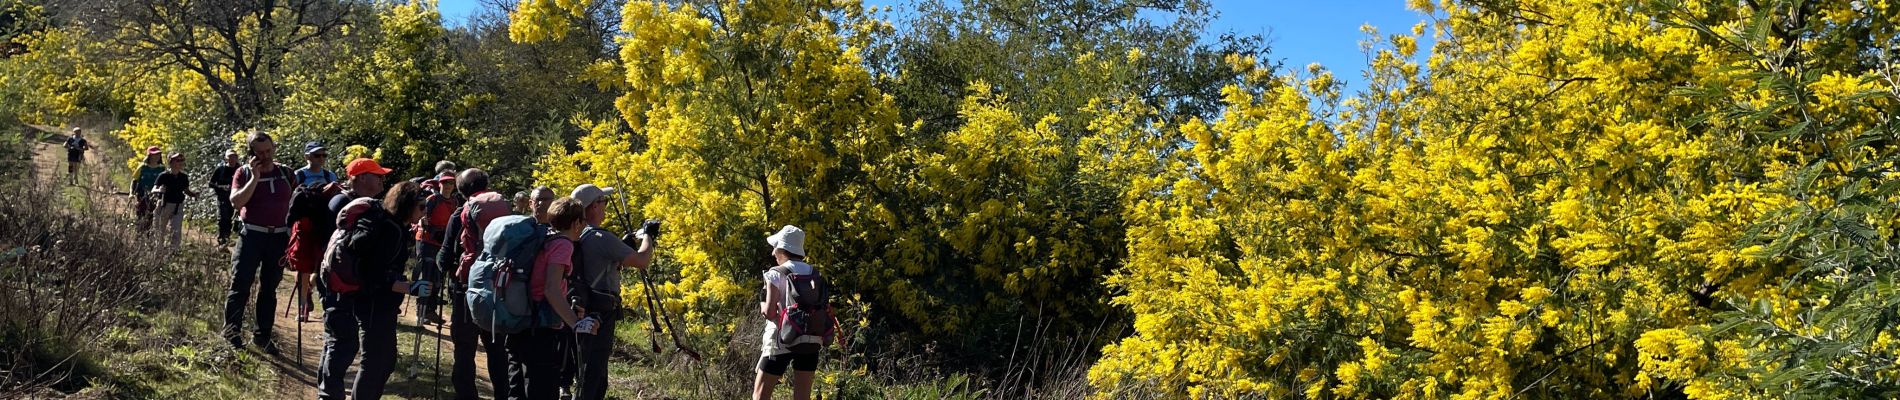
(775, 365)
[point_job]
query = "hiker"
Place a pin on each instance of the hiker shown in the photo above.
(603, 256)
(312, 173)
(142, 184)
(445, 167)
(463, 243)
(536, 354)
(221, 187)
(523, 204)
(172, 187)
(263, 195)
(76, 147)
(437, 209)
(540, 199)
(792, 286)
(360, 305)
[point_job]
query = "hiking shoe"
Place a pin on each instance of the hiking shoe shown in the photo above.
(236, 344)
(267, 347)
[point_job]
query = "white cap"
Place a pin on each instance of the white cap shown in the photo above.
(790, 238)
(587, 194)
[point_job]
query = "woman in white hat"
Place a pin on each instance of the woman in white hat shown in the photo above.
(800, 352)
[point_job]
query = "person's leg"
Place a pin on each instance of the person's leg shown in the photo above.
(770, 369)
(379, 346)
(340, 343)
(506, 384)
(145, 213)
(539, 356)
(594, 352)
(174, 217)
(224, 220)
(244, 265)
(803, 367)
(464, 337)
(516, 347)
(272, 246)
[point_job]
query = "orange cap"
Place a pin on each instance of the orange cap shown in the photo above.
(365, 166)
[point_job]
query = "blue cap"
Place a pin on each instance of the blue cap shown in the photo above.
(312, 148)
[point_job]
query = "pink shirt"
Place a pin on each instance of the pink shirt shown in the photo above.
(557, 253)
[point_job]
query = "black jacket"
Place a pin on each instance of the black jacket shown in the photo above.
(381, 246)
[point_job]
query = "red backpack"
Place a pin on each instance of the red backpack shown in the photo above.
(311, 223)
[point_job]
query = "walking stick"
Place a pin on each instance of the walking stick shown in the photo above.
(417, 348)
(435, 382)
(664, 316)
(653, 321)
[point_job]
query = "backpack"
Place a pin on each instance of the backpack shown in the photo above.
(340, 264)
(311, 222)
(809, 313)
(75, 143)
(498, 296)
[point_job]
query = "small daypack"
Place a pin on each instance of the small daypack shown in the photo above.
(340, 269)
(498, 296)
(311, 224)
(809, 313)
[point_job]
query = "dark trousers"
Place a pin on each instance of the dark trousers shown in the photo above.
(594, 352)
(352, 322)
(224, 217)
(466, 335)
(535, 357)
(256, 258)
(427, 269)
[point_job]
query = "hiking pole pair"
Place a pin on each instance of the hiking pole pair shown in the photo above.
(653, 320)
(655, 306)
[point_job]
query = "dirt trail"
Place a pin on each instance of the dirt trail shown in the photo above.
(296, 364)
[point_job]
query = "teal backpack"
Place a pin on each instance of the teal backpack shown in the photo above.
(498, 281)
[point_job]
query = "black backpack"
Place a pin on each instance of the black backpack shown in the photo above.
(809, 313)
(342, 272)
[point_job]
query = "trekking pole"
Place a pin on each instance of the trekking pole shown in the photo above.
(664, 316)
(417, 348)
(653, 321)
(435, 382)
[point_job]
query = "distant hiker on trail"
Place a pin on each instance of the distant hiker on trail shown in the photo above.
(362, 282)
(437, 209)
(445, 167)
(536, 354)
(797, 317)
(220, 183)
(463, 245)
(312, 173)
(263, 195)
(142, 184)
(524, 205)
(76, 147)
(603, 256)
(172, 187)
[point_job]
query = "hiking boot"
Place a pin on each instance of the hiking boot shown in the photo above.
(268, 347)
(236, 344)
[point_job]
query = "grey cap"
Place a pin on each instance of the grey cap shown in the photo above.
(587, 194)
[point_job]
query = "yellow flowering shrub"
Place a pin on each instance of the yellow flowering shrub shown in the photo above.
(1568, 200)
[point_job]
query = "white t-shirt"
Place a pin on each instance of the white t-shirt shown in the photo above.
(770, 345)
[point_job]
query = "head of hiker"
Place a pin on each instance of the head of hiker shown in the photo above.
(404, 201)
(788, 244)
(77, 133)
(366, 177)
(445, 167)
(177, 162)
(263, 150)
(230, 157)
(153, 156)
(314, 153)
(594, 198)
(542, 197)
(471, 181)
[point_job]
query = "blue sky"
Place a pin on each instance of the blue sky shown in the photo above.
(1303, 32)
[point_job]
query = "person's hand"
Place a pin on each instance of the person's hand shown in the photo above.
(651, 229)
(419, 288)
(587, 325)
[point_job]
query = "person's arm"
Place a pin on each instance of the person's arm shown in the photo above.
(242, 195)
(555, 286)
(769, 307)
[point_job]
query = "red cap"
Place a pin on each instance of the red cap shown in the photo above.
(152, 151)
(365, 166)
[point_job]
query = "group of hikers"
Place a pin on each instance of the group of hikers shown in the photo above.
(534, 282)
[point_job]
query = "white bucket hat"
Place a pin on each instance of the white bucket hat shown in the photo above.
(790, 238)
